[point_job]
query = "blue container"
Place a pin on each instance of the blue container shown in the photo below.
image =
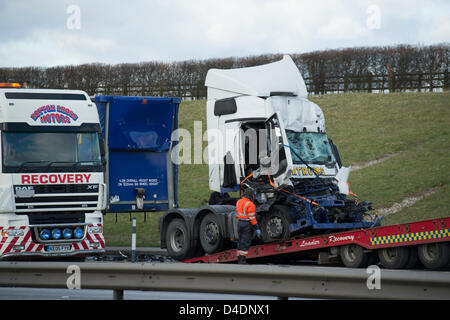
(137, 133)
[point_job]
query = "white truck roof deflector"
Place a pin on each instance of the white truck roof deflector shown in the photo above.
(260, 81)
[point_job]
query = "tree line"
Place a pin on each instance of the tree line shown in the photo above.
(358, 69)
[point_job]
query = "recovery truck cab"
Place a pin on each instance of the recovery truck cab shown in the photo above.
(52, 189)
(264, 134)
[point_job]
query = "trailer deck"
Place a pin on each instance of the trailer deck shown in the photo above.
(407, 234)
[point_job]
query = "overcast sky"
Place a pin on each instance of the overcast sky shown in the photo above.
(60, 32)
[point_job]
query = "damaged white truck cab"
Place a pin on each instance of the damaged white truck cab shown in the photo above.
(264, 134)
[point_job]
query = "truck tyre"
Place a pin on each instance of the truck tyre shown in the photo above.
(434, 255)
(275, 225)
(177, 240)
(394, 258)
(211, 234)
(353, 256)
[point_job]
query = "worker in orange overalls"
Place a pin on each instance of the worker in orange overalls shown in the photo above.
(246, 213)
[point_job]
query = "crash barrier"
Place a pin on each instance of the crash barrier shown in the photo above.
(265, 280)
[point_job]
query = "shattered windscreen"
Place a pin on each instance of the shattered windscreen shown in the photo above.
(311, 147)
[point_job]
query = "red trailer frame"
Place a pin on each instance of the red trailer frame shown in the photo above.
(407, 234)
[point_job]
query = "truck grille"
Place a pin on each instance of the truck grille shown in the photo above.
(31, 198)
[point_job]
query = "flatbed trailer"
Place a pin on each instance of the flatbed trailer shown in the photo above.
(397, 246)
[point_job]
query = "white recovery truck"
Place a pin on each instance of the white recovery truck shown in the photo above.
(52, 188)
(264, 134)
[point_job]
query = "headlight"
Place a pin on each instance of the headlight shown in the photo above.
(95, 229)
(45, 234)
(67, 233)
(56, 234)
(13, 233)
(79, 233)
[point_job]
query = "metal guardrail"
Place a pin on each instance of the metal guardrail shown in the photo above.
(264, 280)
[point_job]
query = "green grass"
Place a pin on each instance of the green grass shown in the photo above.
(119, 233)
(193, 178)
(364, 127)
(367, 126)
(421, 167)
(433, 206)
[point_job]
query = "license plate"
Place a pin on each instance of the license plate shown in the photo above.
(58, 248)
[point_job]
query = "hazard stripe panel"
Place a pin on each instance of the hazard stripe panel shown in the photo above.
(7, 243)
(416, 236)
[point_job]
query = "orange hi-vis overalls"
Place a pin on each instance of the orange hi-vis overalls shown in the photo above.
(246, 210)
(246, 213)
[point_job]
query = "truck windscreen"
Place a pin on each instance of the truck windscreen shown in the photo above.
(312, 147)
(47, 151)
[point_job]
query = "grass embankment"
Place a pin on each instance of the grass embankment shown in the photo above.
(414, 127)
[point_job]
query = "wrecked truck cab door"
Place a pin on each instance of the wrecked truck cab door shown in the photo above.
(278, 161)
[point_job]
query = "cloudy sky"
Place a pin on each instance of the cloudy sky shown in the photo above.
(60, 32)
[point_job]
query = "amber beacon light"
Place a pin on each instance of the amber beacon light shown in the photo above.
(9, 85)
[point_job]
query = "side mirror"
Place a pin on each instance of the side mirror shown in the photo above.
(102, 146)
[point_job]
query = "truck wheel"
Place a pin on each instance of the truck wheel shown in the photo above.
(353, 256)
(177, 240)
(211, 235)
(394, 258)
(276, 224)
(434, 255)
